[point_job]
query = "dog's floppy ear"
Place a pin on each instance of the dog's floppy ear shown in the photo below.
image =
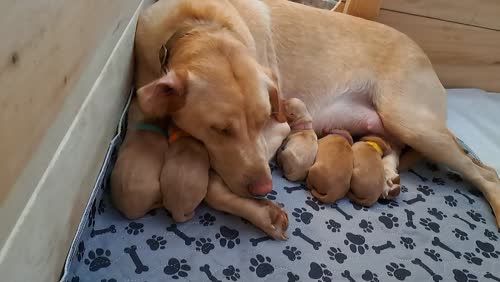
(163, 96)
(386, 148)
(277, 110)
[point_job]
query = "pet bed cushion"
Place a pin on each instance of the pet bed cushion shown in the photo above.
(439, 229)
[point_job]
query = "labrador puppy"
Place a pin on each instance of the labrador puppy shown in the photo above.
(226, 63)
(368, 176)
(330, 176)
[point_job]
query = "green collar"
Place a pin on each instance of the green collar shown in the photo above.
(151, 127)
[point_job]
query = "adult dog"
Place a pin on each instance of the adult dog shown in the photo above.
(225, 61)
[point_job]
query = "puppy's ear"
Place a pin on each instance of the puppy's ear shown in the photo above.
(386, 148)
(163, 96)
(277, 110)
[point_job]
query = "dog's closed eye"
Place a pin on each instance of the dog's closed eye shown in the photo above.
(224, 131)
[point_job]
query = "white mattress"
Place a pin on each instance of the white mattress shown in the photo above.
(474, 116)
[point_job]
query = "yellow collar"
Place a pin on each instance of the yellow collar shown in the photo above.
(375, 146)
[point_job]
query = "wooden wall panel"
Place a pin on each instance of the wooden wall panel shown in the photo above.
(483, 13)
(463, 56)
(51, 53)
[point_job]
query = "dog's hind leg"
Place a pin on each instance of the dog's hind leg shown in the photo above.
(412, 106)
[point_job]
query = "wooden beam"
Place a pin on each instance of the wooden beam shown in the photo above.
(367, 9)
(339, 7)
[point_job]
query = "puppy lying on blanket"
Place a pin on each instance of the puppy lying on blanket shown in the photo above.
(367, 181)
(149, 173)
(330, 177)
(298, 152)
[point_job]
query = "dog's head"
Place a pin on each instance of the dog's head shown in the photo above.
(216, 91)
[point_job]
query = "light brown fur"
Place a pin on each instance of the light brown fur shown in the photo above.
(298, 152)
(135, 179)
(368, 177)
(184, 177)
(222, 69)
(330, 176)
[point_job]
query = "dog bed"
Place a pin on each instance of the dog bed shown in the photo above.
(439, 229)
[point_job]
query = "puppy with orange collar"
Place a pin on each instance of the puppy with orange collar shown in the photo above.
(329, 178)
(184, 176)
(368, 176)
(298, 152)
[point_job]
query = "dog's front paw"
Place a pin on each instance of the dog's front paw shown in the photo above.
(273, 221)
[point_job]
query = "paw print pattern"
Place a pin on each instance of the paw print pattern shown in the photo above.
(92, 214)
(207, 219)
(228, 236)
(388, 203)
(358, 207)
(424, 189)
(177, 268)
(292, 277)
(429, 225)
(366, 226)
(473, 259)
(134, 228)
(404, 189)
(439, 181)
(397, 271)
(460, 234)
(319, 272)
(80, 252)
(388, 220)
(356, 243)
(450, 201)
(436, 213)
(156, 242)
(292, 253)
(314, 204)
(272, 195)
(261, 266)
(407, 242)
(336, 255)
(302, 215)
(232, 273)
(464, 276)
(477, 217)
(490, 235)
(98, 259)
(333, 226)
(435, 256)
(369, 276)
(204, 245)
(487, 249)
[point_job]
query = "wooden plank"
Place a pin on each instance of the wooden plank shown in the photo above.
(339, 7)
(367, 9)
(463, 56)
(48, 63)
(37, 247)
(483, 13)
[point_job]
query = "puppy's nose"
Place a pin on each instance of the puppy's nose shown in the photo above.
(260, 187)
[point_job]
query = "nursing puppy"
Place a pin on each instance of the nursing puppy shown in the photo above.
(184, 176)
(330, 176)
(299, 149)
(368, 176)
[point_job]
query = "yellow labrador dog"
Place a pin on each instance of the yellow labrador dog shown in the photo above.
(225, 61)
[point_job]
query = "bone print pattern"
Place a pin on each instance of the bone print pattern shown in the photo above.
(391, 241)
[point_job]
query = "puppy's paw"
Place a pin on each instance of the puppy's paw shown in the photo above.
(273, 221)
(392, 186)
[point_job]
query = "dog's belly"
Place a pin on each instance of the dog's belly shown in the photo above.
(351, 112)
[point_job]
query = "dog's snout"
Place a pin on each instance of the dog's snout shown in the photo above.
(260, 187)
